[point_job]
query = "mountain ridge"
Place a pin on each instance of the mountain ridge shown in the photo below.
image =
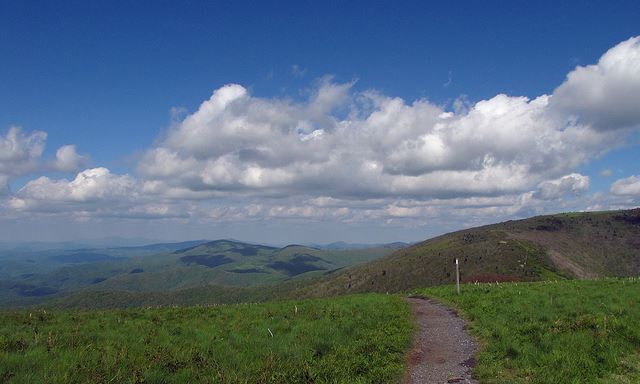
(567, 245)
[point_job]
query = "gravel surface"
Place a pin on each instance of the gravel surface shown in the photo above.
(443, 351)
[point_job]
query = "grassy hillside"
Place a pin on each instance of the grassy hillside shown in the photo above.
(574, 245)
(357, 339)
(553, 332)
(567, 331)
(94, 297)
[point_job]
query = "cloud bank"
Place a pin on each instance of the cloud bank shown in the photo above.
(346, 144)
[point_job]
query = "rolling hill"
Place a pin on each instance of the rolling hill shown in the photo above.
(569, 245)
(226, 267)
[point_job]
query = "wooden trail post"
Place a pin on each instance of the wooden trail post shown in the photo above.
(457, 277)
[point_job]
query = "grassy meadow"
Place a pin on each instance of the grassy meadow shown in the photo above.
(354, 339)
(566, 331)
(563, 331)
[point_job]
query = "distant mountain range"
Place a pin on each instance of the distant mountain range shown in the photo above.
(141, 244)
(552, 247)
(31, 277)
(344, 245)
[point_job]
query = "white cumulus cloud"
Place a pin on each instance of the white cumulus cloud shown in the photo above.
(384, 147)
(68, 160)
(629, 186)
(91, 187)
(20, 153)
(605, 95)
(574, 183)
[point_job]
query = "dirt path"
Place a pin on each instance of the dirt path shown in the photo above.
(443, 351)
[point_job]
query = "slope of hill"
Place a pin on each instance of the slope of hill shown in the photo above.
(570, 245)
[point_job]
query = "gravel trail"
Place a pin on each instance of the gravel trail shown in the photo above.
(443, 351)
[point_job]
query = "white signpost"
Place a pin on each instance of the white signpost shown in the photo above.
(457, 277)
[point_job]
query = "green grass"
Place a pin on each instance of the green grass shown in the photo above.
(553, 332)
(354, 339)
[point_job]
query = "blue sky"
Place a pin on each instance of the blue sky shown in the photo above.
(119, 80)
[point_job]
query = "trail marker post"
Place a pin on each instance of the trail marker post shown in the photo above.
(457, 277)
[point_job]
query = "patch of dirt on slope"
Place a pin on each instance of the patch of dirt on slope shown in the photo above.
(564, 263)
(561, 261)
